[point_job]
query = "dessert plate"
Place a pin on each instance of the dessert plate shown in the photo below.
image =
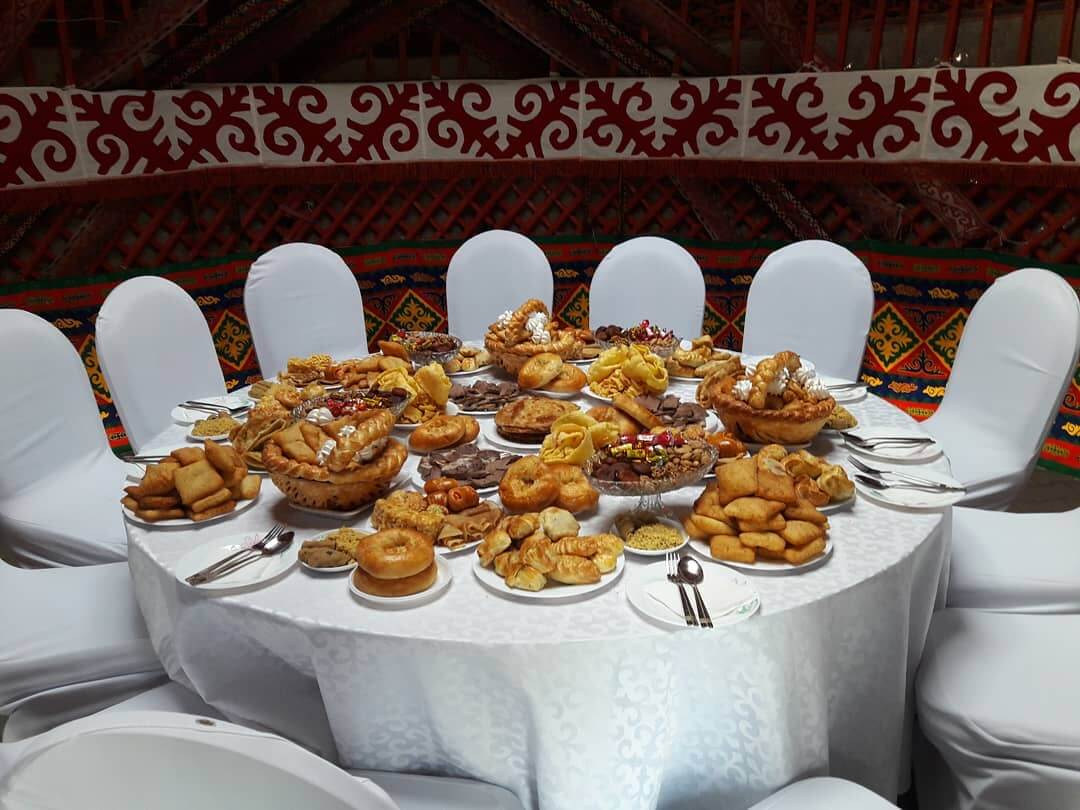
(217, 437)
(553, 592)
(188, 523)
(259, 572)
(773, 567)
(644, 552)
(334, 569)
(442, 582)
(729, 596)
(491, 435)
(418, 482)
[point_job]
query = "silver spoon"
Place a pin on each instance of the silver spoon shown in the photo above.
(274, 546)
(690, 571)
(881, 486)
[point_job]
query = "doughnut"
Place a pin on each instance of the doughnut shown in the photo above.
(460, 498)
(539, 370)
(569, 379)
(395, 554)
(528, 486)
(576, 494)
(636, 411)
(437, 433)
(404, 586)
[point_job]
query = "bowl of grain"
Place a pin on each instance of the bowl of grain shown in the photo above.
(649, 535)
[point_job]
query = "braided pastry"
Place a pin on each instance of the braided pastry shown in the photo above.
(766, 372)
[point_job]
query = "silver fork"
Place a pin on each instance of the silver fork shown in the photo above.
(900, 476)
(275, 546)
(211, 569)
(673, 576)
(869, 444)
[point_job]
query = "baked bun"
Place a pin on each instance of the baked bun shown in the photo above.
(569, 379)
(405, 586)
(540, 370)
(443, 431)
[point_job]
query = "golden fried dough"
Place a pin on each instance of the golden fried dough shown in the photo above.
(158, 479)
(773, 481)
(797, 556)
(724, 547)
(197, 480)
(211, 500)
(769, 540)
(758, 510)
(804, 510)
(736, 479)
(774, 524)
(801, 532)
(214, 511)
(188, 455)
(159, 502)
(154, 515)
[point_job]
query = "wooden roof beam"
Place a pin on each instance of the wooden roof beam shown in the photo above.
(17, 20)
(547, 32)
(679, 34)
(150, 24)
(484, 41)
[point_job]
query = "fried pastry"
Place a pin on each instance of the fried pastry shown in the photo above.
(574, 570)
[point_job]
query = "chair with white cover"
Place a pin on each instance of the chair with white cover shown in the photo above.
(72, 642)
(490, 273)
(824, 793)
(648, 278)
(1015, 361)
(303, 299)
(59, 480)
(155, 351)
(815, 298)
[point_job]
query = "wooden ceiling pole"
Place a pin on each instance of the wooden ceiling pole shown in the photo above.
(669, 27)
(504, 56)
(547, 32)
(149, 25)
(17, 20)
(634, 55)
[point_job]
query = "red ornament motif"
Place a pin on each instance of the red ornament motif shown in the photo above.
(41, 146)
(890, 126)
(464, 118)
(628, 118)
(303, 124)
(146, 133)
(964, 121)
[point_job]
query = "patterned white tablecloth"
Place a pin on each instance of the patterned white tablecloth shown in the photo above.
(582, 705)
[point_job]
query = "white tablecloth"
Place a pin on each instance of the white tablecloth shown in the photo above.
(573, 705)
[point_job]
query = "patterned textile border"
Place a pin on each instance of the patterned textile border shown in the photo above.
(923, 298)
(1014, 118)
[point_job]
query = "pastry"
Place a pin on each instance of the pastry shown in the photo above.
(525, 332)
(841, 419)
(574, 437)
(468, 358)
(632, 370)
(623, 423)
(539, 370)
(570, 379)
(528, 486)
(443, 431)
(529, 419)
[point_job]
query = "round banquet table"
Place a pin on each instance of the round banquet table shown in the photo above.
(585, 704)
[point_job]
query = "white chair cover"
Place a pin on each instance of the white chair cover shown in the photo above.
(1016, 358)
(414, 792)
(1020, 563)
(155, 351)
(997, 699)
(824, 793)
(648, 278)
(163, 761)
(303, 299)
(815, 298)
(490, 273)
(59, 481)
(169, 697)
(71, 638)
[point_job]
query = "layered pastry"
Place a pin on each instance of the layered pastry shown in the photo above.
(700, 358)
(528, 420)
(264, 420)
(426, 391)
(527, 331)
(340, 465)
(778, 401)
(632, 370)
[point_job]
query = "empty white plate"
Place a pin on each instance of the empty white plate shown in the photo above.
(729, 597)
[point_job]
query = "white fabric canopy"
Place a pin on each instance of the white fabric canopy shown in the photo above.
(1004, 561)
(69, 638)
(1014, 363)
(997, 698)
(824, 793)
(155, 351)
(490, 273)
(575, 705)
(648, 277)
(59, 481)
(813, 297)
(303, 299)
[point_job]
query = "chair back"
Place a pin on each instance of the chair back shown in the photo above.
(155, 351)
(303, 299)
(168, 761)
(51, 419)
(490, 273)
(813, 297)
(1015, 361)
(648, 278)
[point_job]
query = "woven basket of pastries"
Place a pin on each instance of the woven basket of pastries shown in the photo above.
(340, 465)
(778, 401)
(516, 336)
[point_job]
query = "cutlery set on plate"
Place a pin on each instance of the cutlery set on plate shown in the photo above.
(210, 407)
(273, 542)
(878, 479)
(684, 571)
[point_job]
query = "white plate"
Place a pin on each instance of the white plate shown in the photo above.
(443, 551)
(473, 373)
(442, 582)
(894, 452)
(701, 549)
(553, 591)
(450, 410)
(581, 361)
(259, 572)
(914, 498)
(491, 434)
(400, 479)
(753, 447)
(837, 506)
(637, 595)
(219, 437)
(540, 392)
(641, 552)
(336, 569)
(418, 482)
(587, 391)
(187, 523)
(674, 378)
(189, 416)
